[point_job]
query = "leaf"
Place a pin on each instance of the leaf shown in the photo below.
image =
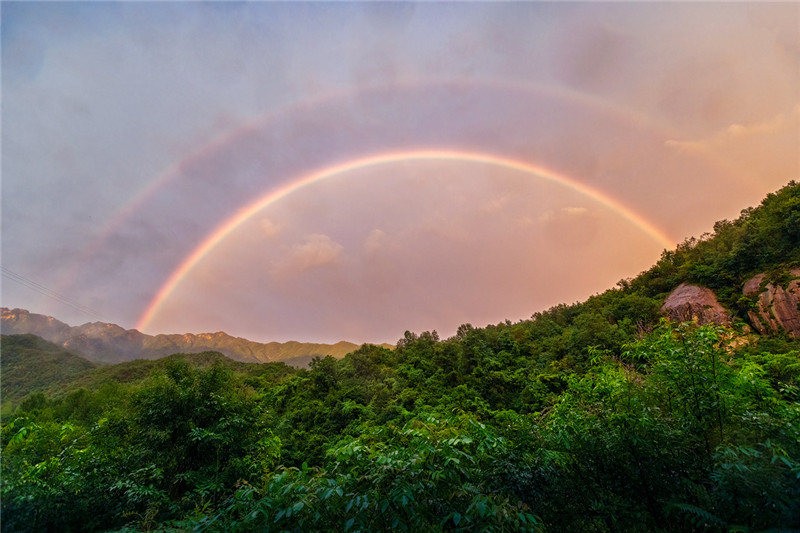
(701, 515)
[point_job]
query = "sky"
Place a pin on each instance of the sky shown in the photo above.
(320, 171)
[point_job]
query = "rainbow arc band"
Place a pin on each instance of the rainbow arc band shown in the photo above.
(585, 100)
(248, 211)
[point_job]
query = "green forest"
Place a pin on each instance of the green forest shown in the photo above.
(595, 416)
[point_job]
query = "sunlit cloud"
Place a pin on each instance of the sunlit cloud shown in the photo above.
(317, 251)
(563, 212)
(765, 149)
(738, 133)
(376, 241)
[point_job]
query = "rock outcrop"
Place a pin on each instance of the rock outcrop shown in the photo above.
(690, 302)
(776, 308)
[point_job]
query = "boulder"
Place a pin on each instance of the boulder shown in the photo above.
(690, 302)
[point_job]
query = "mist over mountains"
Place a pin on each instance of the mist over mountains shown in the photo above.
(110, 343)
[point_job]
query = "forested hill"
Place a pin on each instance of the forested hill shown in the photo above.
(30, 363)
(598, 416)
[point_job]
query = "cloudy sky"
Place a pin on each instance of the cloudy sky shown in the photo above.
(329, 171)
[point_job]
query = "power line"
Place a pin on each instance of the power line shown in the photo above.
(41, 289)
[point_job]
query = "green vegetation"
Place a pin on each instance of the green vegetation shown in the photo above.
(31, 364)
(598, 416)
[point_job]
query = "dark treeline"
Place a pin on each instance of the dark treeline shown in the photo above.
(597, 416)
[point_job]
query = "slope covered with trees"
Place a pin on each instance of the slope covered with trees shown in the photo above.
(597, 416)
(30, 363)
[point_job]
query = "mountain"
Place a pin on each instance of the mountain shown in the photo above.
(110, 343)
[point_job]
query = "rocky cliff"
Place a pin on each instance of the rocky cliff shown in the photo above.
(776, 308)
(102, 342)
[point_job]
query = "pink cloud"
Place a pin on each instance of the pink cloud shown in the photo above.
(319, 250)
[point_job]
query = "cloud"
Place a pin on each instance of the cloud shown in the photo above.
(270, 229)
(495, 205)
(376, 241)
(735, 133)
(319, 250)
(761, 153)
(562, 213)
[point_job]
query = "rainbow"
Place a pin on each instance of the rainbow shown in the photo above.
(245, 213)
(174, 170)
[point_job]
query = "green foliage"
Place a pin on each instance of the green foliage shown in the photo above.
(178, 442)
(429, 475)
(670, 432)
(757, 486)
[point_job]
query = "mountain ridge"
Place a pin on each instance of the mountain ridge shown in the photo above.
(110, 343)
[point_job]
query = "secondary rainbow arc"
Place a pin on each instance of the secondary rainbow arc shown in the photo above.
(248, 211)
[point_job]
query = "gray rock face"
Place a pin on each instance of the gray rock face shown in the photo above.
(777, 308)
(690, 302)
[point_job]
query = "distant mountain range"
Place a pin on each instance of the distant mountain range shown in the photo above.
(110, 343)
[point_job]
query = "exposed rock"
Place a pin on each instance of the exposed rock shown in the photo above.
(777, 308)
(690, 302)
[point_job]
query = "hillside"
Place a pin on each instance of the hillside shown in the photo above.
(30, 363)
(32, 366)
(763, 240)
(109, 343)
(602, 416)
(132, 372)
